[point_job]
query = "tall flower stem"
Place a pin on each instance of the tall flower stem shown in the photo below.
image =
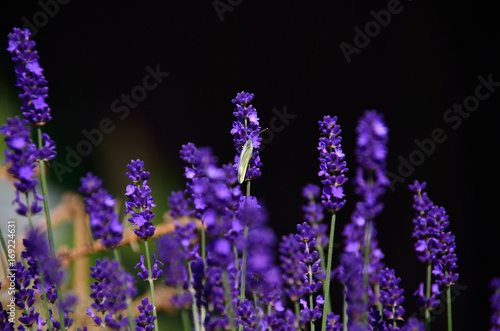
(366, 264)
(50, 235)
(328, 271)
(151, 285)
(244, 255)
(43, 181)
(321, 252)
(311, 295)
(448, 308)
(196, 318)
(428, 284)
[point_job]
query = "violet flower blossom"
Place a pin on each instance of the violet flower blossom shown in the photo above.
(146, 320)
(371, 153)
(100, 206)
(434, 245)
(244, 128)
(332, 165)
(391, 296)
(310, 265)
(139, 201)
(495, 305)
(30, 79)
(38, 257)
(22, 155)
(5, 324)
(110, 290)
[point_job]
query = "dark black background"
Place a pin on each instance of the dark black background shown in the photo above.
(287, 53)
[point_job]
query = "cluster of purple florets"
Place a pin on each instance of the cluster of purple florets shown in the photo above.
(22, 154)
(246, 127)
(100, 206)
(332, 167)
(434, 245)
(139, 201)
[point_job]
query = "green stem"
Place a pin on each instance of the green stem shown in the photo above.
(311, 299)
(151, 285)
(43, 181)
(427, 296)
(345, 318)
(118, 258)
(194, 308)
(366, 264)
(203, 245)
(244, 258)
(229, 300)
(321, 251)
(297, 311)
(244, 264)
(185, 320)
(448, 308)
(328, 272)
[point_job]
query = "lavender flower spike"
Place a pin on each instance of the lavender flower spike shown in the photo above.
(140, 201)
(99, 204)
(30, 79)
(332, 165)
(22, 154)
(495, 305)
(244, 128)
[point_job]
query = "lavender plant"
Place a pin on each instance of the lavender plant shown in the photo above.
(219, 255)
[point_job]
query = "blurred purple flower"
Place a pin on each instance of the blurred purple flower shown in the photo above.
(100, 206)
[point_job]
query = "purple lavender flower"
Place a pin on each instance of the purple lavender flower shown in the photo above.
(5, 324)
(246, 127)
(413, 324)
(333, 322)
(442, 248)
(293, 277)
(212, 192)
(30, 79)
(22, 155)
(424, 302)
(313, 212)
(110, 290)
(434, 245)
(38, 257)
(354, 291)
(332, 167)
(144, 273)
(139, 201)
(371, 152)
(24, 297)
(174, 269)
(100, 206)
(310, 265)
(495, 305)
(146, 320)
(391, 296)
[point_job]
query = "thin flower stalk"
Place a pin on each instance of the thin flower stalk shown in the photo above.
(332, 171)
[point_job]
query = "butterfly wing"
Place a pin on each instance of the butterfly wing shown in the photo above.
(246, 154)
